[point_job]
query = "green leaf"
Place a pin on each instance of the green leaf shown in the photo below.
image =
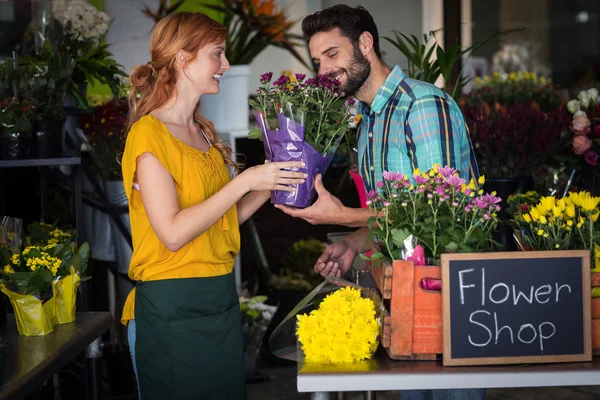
(255, 133)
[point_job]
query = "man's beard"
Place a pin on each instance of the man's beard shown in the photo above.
(357, 74)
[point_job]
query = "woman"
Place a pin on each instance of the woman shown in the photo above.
(184, 330)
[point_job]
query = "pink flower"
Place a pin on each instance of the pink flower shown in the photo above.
(491, 200)
(420, 179)
(581, 144)
(591, 157)
(380, 184)
(372, 194)
(581, 125)
(455, 181)
(446, 172)
(392, 176)
(480, 203)
(440, 191)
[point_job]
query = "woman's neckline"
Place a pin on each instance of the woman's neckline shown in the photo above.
(210, 145)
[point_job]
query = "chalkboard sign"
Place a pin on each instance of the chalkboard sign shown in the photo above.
(516, 307)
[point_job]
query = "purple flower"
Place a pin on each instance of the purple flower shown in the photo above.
(282, 80)
(420, 189)
(468, 207)
(352, 101)
(266, 77)
(591, 157)
(372, 194)
(446, 172)
(491, 200)
(392, 176)
(440, 191)
(480, 203)
(380, 184)
(300, 77)
(311, 82)
(455, 181)
(420, 179)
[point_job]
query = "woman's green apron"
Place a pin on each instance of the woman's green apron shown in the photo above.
(189, 339)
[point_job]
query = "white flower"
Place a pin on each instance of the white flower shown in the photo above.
(579, 114)
(573, 106)
(593, 93)
(584, 98)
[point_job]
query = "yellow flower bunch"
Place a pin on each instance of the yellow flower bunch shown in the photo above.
(561, 224)
(57, 236)
(36, 258)
(344, 329)
(528, 78)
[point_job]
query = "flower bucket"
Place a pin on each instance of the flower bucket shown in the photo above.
(34, 314)
(287, 144)
(65, 298)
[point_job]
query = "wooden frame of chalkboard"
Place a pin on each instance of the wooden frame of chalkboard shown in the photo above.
(578, 344)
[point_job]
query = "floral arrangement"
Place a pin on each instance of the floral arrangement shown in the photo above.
(504, 90)
(343, 329)
(301, 120)
(518, 57)
(253, 25)
(436, 209)
(512, 141)
(561, 224)
(43, 234)
(16, 116)
(316, 103)
(105, 130)
(81, 19)
(585, 127)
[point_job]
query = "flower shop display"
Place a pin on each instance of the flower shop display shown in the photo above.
(300, 120)
(16, 125)
(43, 234)
(338, 322)
(418, 218)
(256, 316)
(435, 209)
(105, 130)
(581, 145)
(568, 223)
(78, 29)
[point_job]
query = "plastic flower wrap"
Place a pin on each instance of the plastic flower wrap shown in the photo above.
(438, 211)
(569, 223)
(338, 322)
(300, 120)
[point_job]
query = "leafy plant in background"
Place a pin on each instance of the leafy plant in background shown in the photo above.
(297, 271)
(423, 67)
(15, 115)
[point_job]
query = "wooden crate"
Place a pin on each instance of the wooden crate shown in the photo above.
(595, 280)
(412, 328)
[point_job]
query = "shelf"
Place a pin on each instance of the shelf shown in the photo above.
(40, 162)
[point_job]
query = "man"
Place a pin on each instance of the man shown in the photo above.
(406, 124)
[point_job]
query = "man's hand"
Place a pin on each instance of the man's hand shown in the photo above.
(328, 209)
(336, 259)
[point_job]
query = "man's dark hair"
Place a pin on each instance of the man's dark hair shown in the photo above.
(352, 22)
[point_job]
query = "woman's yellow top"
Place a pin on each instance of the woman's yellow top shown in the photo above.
(197, 175)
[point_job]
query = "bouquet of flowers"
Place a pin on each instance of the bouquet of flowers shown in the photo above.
(582, 140)
(300, 120)
(436, 210)
(569, 223)
(338, 322)
(43, 234)
(105, 130)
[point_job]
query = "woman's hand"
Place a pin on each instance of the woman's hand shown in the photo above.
(273, 176)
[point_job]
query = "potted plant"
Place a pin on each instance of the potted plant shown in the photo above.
(16, 121)
(300, 120)
(78, 29)
(417, 218)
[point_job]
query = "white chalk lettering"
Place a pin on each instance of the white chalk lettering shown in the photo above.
(462, 286)
(512, 339)
(519, 294)
(558, 289)
(542, 336)
(497, 285)
(483, 286)
(481, 325)
(539, 293)
(521, 330)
